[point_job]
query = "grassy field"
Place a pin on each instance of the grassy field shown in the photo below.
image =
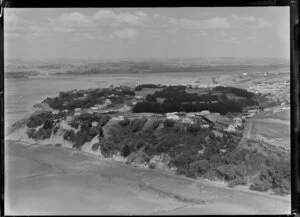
(270, 130)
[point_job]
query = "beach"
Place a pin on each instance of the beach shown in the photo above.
(47, 180)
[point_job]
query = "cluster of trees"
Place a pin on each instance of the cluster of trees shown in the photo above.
(86, 131)
(220, 107)
(275, 175)
(74, 99)
(178, 94)
(141, 86)
(46, 120)
(177, 99)
(195, 152)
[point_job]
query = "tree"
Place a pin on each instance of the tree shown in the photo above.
(151, 98)
(259, 185)
(126, 150)
(169, 123)
(200, 166)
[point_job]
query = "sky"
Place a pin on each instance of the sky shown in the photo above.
(113, 33)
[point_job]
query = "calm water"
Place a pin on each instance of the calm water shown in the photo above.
(22, 94)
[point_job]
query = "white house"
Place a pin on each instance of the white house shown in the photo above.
(172, 116)
(138, 97)
(230, 128)
(204, 112)
(237, 119)
(187, 120)
(107, 102)
(77, 109)
(66, 110)
(204, 126)
(55, 112)
(77, 113)
(94, 123)
(119, 118)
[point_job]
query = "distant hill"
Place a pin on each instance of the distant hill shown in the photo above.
(77, 66)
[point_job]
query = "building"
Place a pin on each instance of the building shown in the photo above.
(204, 112)
(119, 118)
(187, 120)
(77, 109)
(204, 126)
(94, 123)
(237, 120)
(230, 128)
(172, 116)
(107, 102)
(55, 112)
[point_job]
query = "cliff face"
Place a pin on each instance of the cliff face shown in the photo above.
(157, 142)
(20, 132)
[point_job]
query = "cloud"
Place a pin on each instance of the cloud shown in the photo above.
(135, 19)
(75, 19)
(228, 22)
(126, 33)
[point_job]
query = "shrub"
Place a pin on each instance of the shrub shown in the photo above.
(181, 160)
(284, 187)
(169, 123)
(165, 144)
(95, 146)
(55, 129)
(237, 181)
(32, 133)
(126, 150)
(81, 138)
(74, 124)
(48, 124)
(103, 120)
(227, 171)
(124, 122)
(200, 166)
(152, 165)
(107, 147)
(34, 121)
(150, 98)
(57, 145)
(69, 135)
(93, 132)
(241, 170)
(101, 134)
(44, 134)
(139, 144)
(137, 124)
(259, 185)
(193, 128)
